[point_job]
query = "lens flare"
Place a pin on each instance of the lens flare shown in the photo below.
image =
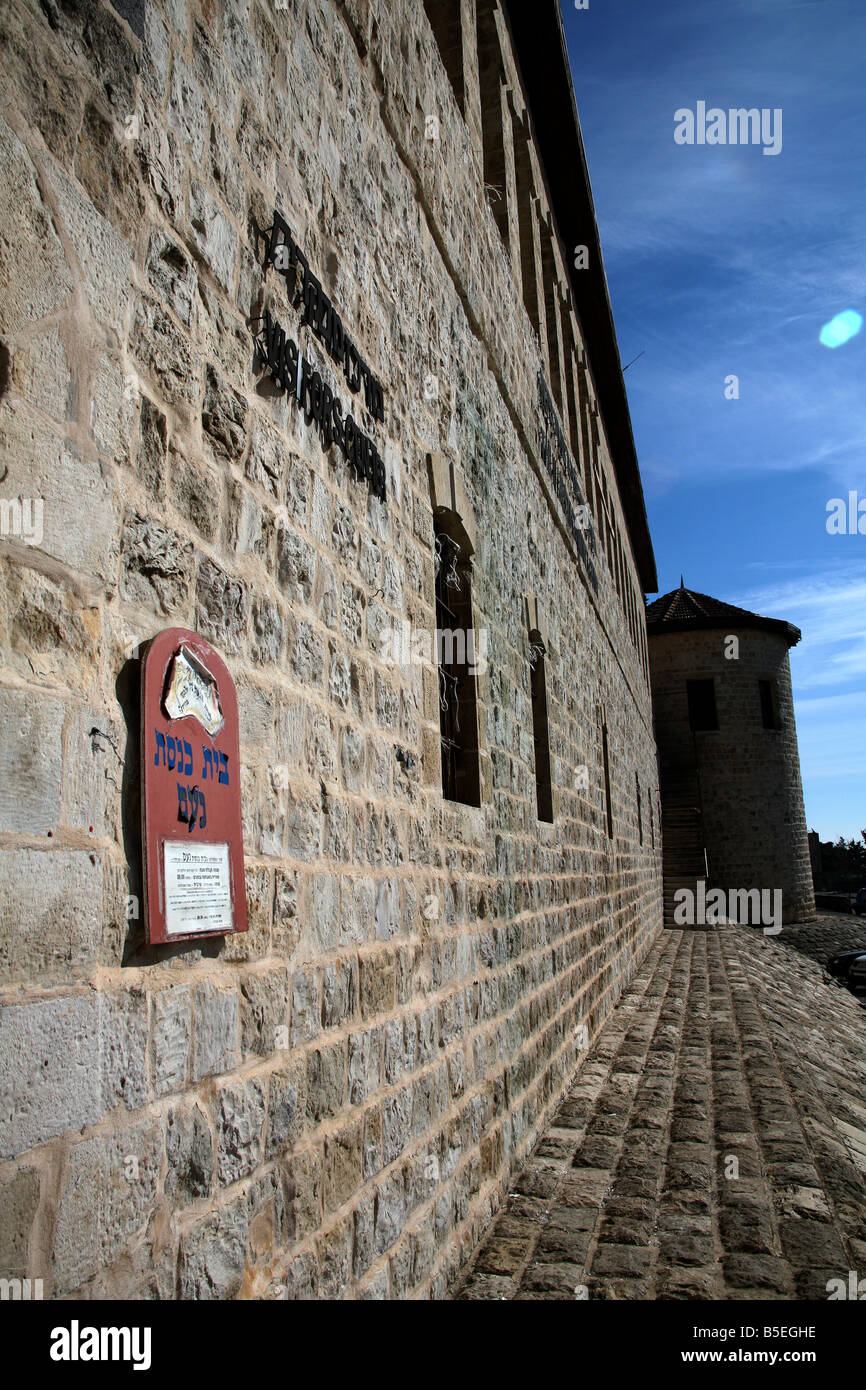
(841, 328)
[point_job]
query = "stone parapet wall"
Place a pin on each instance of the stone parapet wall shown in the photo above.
(330, 1105)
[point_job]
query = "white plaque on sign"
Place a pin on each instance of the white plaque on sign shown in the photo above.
(197, 888)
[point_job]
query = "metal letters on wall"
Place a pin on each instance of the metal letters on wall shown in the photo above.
(289, 372)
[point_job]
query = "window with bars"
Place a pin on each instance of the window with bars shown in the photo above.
(455, 650)
(540, 729)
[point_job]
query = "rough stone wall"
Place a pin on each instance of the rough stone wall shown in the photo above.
(751, 790)
(330, 1105)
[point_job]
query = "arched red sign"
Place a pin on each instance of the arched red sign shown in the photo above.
(191, 792)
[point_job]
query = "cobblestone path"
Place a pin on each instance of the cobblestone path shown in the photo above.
(711, 1145)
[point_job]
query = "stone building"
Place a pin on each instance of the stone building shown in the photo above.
(732, 798)
(307, 348)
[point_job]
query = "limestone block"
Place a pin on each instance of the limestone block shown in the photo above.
(164, 354)
(171, 274)
(325, 912)
(335, 1260)
(213, 75)
(250, 535)
(110, 1186)
(186, 110)
(213, 1253)
(264, 463)
(242, 53)
(215, 1031)
(267, 632)
(264, 1002)
(326, 1081)
(36, 284)
(41, 373)
(159, 158)
(296, 562)
(189, 1151)
(106, 168)
(156, 46)
(75, 521)
(222, 607)
(123, 1048)
(151, 454)
(239, 1126)
(109, 53)
(50, 913)
(103, 255)
(196, 492)
(285, 1110)
(213, 234)
(156, 565)
(30, 750)
(19, 1199)
(306, 1006)
(389, 1211)
(171, 1027)
(47, 88)
(51, 1070)
(224, 416)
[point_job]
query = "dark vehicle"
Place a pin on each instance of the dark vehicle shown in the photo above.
(841, 964)
(857, 973)
(860, 902)
(849, 968)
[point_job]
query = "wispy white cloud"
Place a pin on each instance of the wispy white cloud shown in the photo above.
(723, 261)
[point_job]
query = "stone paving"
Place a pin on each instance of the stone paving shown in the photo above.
(712, 1144)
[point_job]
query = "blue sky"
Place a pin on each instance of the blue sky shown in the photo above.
(722, 260)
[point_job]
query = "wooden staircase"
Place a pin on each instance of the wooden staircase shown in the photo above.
(684, 861)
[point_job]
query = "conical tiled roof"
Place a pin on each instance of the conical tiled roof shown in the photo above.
(683, 610)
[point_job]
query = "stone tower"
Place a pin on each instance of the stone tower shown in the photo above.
(732, 798)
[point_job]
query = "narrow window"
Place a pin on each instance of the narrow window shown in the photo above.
(540, 731)
(573, 426)
(702, 705)
(639, 812)
(525, 219)
(769, 704)
(455, 651)
(444, 17)
(490, 80)
(606, 760)
(548, 272)
(649, 804)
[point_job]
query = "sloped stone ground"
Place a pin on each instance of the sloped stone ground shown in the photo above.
(833, 932)
(712, 1144)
